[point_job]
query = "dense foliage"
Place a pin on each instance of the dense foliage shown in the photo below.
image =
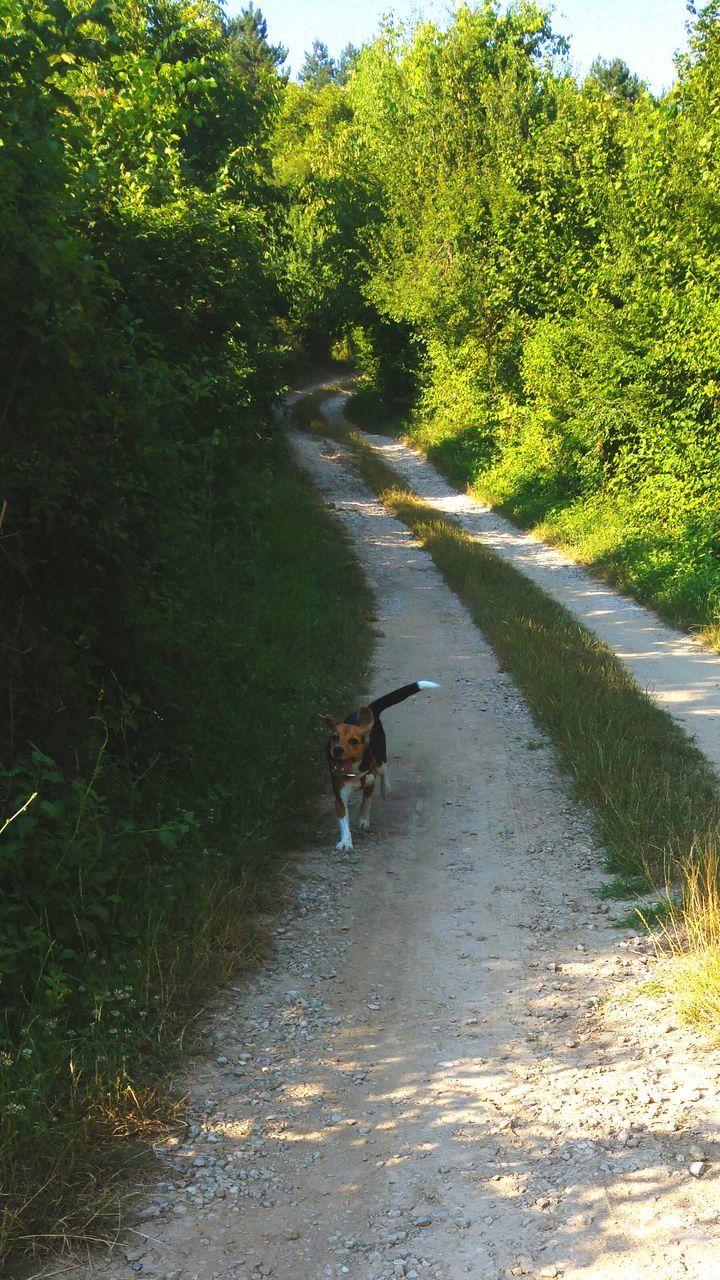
(153, 617)
(539, 262)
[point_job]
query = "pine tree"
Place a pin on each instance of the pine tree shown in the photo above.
(615, 77)
(249, 46)
(318, 69)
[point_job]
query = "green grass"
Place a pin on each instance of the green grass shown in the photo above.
(655, 536)
(659, 547)
(647, 916)
(654, 793)
(156, 871)
(622, 887)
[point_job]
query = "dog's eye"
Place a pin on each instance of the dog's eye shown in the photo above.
(354, 742)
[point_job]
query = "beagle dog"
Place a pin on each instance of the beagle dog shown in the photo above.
(357, 755)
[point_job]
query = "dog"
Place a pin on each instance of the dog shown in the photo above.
(357, 755)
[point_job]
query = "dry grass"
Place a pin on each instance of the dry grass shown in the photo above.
(691, 935)
(710, 637)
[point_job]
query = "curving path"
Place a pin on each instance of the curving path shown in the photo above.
(674, 668)
(435, 1074)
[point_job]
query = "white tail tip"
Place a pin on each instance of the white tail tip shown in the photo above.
(427, 684)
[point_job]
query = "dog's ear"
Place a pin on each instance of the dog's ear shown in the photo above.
(365, 718)
(331, 720)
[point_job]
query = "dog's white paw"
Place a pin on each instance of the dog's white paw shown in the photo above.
(364, 823)
(344, 846)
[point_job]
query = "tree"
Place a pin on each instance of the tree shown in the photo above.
(345, 63)
(249, 47)
(318, 69)
(616, 78)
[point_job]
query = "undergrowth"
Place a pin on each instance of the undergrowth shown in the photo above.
(655, 536)
(131, 890)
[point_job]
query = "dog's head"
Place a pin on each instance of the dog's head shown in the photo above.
(348, 741)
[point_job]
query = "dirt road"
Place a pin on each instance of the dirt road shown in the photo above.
(673, 667)
(435, 1074)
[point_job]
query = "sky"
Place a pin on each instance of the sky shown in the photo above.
(645, 33)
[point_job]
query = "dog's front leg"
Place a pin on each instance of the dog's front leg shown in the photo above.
(342, 810)
(367, 795)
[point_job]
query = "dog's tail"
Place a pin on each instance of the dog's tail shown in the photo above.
(399, 695)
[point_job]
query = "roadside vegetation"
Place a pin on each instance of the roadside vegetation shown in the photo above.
(539, 265)
(171, 587)
(133, 887)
